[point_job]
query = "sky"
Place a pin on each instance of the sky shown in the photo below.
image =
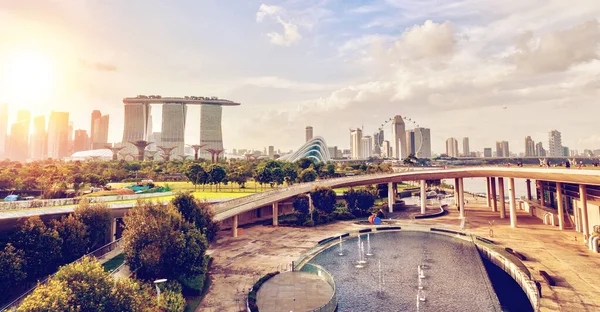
(484, 69)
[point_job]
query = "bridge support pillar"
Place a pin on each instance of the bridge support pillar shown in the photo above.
(423, 197)
(461, 193)
(528, 182)
(391, 197)
(113, 230)
(501, 195)
(494, 202)
(276, 214)
(584, 212)
(513, 204)
(456, 192)
(559, 204)
(234, 227)
(488, 192)
(540, 187)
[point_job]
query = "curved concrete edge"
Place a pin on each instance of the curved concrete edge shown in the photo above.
(433, 214)
(325, 275)
(514, 270)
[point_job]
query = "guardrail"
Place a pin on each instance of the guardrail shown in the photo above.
(327, 277)
(98, 254)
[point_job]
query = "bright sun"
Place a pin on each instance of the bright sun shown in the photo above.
(28, 76)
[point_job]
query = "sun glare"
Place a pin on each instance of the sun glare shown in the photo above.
(28, 76)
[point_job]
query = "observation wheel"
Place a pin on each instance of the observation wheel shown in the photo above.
(407, 122)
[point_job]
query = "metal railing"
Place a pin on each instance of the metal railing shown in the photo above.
(99, 254)
(327, 277)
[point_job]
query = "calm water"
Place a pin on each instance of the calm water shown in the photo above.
(477, 185)
(455, 278)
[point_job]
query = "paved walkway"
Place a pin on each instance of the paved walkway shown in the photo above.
(293, 291)
(239, 262)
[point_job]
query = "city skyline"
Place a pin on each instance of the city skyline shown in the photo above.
(457, 73)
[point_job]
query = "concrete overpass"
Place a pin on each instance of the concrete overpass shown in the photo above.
(581, 184)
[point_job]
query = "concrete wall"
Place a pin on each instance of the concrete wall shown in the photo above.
(260, 214)
(539, 212)
(593, 208)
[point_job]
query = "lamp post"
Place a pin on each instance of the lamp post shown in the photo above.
(156, 282)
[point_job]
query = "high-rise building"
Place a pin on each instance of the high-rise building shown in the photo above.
(333, 151)
(565, 151)
(39, 144)
(58, 135)
(452, 147)
(18, 143)
(554, 143)
(99, 136)
(502, 149)
(539, 149)
(355, 143)
(487, 152)
(366, 146)
(410, 142)
(80, 142)
(3, 129)
(173, 127)
(271, 150)
(423, 142)
(386, 149)
(399, 147)
(529, 147)
(377, 141)
(96, 114)
(465, 146)
(309, 133)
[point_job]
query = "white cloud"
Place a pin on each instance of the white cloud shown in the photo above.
(290, 34)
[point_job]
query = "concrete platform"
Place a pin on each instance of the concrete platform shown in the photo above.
(293, 291)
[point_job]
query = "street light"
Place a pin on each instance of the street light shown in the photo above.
(156, 282)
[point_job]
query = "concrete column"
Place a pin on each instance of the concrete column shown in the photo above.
(391, 197)
(456, 192)
(461, 193)
(423, 197)
(528, 182)
(501, 195)
(487, 192)
(584, 213)
(559, 203)
(542, 200)
(513, 204)
(113, 230)
(234, 227)
(493, 198)
(275, 213)
(576, 218)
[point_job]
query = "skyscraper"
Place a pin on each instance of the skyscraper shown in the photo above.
(529, 147)
(173, 127)
(80, 142)
(39, 142)
(399, 147)
(539, 150)
(554, 143)
(99, 138)
(18, 144)
(452, 147)
(355, 143)
(565, 151)
(377, 141)
(465, 146)
(487, 152)
(410, 142)
(502, 149)
(309, 133)
(423, 142)
(96, 114)
(366, 146)
(3, 129)
(386, 149)
(271, 150)
(58, 135)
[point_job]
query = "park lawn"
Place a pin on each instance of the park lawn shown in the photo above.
(250, 187)
(114, 263)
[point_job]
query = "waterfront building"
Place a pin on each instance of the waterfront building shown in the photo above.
(555, 143)
(529, 147)
(452, 147)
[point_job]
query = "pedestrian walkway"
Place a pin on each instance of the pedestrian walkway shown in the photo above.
(293, 291)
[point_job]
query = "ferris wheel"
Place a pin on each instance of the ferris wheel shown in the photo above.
(408, 122)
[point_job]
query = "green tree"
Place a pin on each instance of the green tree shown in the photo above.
(97, 219)
(304, 163)
(330, 169)
(364, 202)
(196, 174)
(291, 173)
(301, 208)
(12, 266)
(323, 199)
(277, 176)
(52, 296)
(197, 212)
(308, 175)
(263, 175)
(74, 234)
(41, 246)
(217, 174)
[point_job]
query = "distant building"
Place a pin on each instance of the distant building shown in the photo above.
(355, 143)
(3, 129)
(96, 114)
(377, 142)
(367, 143)
(502, 149)
(539, 150)
(39, 138)
(555, 143)
(399, 147)
(58, 135)
(465, 146)
(529, 147)
(99, 135)
(18, 143)
(588, 153)
(80, 142)
(334, 152)
(573, 153)
(386, 149)
(565, 151)
(452, 147)
(410, 142)
(271, 151)
(309, 133)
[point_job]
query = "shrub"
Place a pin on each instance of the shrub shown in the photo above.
(323, 199)
(342, 214)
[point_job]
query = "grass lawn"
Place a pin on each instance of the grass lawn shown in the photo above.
(114, 263)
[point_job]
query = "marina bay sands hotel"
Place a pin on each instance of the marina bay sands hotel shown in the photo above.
(138, 121)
